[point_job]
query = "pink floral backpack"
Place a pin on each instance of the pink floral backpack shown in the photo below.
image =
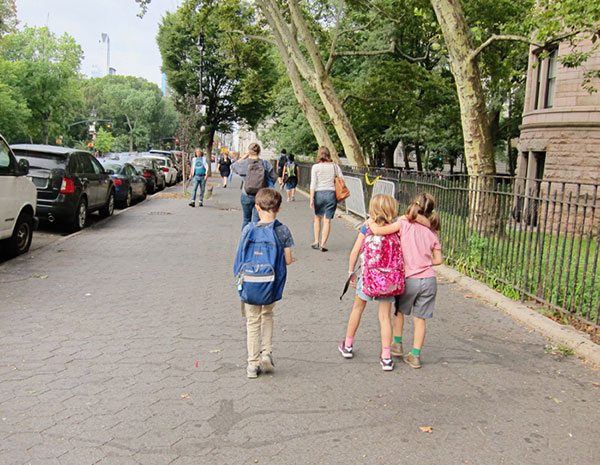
(382, 265)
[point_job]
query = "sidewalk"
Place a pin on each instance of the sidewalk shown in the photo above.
(98, 360)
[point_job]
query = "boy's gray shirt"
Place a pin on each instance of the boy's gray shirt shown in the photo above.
(241, 168)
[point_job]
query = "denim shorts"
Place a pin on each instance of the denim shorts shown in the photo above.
(325, 204)
(291, 184)
(366, 298)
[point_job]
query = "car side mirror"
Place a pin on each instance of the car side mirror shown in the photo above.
(23, 167)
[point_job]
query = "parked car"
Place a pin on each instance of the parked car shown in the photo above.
(70, 183)
(175, 157)
(167, 167)
(149, 169)
(18, 197)
(129, 185)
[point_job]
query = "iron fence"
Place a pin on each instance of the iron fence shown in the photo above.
(527, 238)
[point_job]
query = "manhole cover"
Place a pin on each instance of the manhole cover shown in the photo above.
(160, 213)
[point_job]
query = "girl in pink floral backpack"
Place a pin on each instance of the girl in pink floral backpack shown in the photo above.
(382, 276)
(422, 251)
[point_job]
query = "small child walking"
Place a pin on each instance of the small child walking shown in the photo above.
(263, 288)
(383, 209)
(422, 250)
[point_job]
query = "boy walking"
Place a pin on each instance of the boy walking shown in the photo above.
(198, 175)
(267, 242)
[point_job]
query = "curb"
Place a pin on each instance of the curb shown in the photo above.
(564, 335)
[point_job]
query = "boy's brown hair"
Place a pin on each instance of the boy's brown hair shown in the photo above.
(268, 199)
(254, 147)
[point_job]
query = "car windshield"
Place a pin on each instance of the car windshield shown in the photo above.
(42, 160)
(142, 162)
(112, 166)
(161, 161)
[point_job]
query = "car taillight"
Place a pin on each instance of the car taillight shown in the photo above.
(118, 182)
(166, 170)
(67, 186)
(147, 174)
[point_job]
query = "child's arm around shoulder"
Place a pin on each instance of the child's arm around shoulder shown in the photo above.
(420, 219)
(383, 230)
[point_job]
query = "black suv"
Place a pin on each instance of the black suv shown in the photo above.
(71, 183)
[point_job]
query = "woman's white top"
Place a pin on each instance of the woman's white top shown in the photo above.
(322, 176)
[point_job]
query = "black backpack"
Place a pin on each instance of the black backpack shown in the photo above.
(256, 177)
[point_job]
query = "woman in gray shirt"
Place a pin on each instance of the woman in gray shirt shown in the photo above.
(322, 195)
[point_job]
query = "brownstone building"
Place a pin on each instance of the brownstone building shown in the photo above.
(560, 132)
(559, 144)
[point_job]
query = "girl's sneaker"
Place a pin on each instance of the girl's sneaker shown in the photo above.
(387, 364)
(345, 351)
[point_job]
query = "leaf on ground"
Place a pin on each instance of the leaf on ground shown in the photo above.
(468, 296)
(186, 396)
(558, 401)
(215, 351)
(596, 384)
(426, 429)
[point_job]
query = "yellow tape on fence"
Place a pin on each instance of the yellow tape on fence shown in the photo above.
(369, 183)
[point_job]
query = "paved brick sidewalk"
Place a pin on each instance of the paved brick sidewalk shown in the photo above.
(99, 335)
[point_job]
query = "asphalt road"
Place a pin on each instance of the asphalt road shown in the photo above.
(124, 344)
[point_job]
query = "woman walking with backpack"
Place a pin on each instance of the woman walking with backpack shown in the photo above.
(256, 174)
(322, 196)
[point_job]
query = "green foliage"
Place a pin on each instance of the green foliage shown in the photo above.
(104, 141)
(202, 57)
(42, 72)
(8, 16)
(134, 106)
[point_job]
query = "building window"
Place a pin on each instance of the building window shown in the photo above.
(538, 85)
(551, 80)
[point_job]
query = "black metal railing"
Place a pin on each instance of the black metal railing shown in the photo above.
(527, 238)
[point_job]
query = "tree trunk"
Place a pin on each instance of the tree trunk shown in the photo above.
(209, 146)
(418, 157)
(315, 75)
(308, 109)
(479, 155)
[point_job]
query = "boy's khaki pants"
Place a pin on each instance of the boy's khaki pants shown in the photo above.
(259, 322)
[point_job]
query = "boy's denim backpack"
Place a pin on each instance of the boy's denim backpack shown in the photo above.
(382, 265)
(259, 267)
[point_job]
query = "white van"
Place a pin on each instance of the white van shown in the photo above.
(18, 198)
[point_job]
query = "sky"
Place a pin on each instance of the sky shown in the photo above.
(133, 48)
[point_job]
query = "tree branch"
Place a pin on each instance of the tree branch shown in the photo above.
(368, 99)
(255, 37)
(335, 38)
(527, 40)
(392, 49)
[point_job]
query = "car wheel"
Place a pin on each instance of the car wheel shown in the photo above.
(20, 241)
(127, 203)
(152, 188)
(80, 217)
(109, 208)
(144, 193)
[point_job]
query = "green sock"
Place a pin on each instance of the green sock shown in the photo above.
(416, 352)
(397, 339)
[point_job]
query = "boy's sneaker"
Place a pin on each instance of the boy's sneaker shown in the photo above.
(192, 204)
(387, 364)
(414, 361)
(252, 371)
(345, 351)
(266, 362)
(397, 349)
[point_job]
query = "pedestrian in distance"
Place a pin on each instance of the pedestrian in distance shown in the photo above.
(198, 176)
(256, 174)
(422, 251)
(279, 166)
(322, 196)
(224, 168)
(263, 254)
(291, 178)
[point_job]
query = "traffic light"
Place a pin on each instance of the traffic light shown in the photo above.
(177, 141)
(90, 144)
(108, 125)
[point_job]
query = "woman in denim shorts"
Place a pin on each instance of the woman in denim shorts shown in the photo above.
(322, 196)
